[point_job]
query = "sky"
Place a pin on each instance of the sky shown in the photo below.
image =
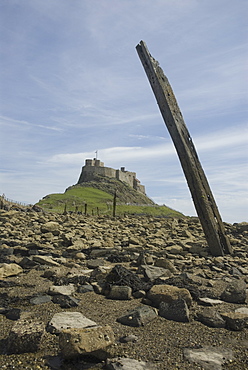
(71, 84)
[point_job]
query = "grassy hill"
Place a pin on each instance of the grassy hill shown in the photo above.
(98, 196)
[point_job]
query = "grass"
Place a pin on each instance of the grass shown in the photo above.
(99, 202)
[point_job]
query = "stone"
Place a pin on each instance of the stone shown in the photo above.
(174, 249)
(41, 299)
(85, 288)
(152, 273)
(235, 320)
(65, 320)
(210, 358)
(166, 264)
(45, 260)
(120, 292)
(61, 289)
(211, 318)
(25, 336)
(128, 338)
(119, 275)
(243, 310)
(13, 314)
(65, 301)
(168, 294)
(140, 316)
(176, 310)
(75, 342)
(209, 301)
(28, 263)
(125, 363)
(9, 269)
(50, 226)
(235, 292)
(92, 264)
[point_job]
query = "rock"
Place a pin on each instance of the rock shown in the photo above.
(65, 320)
(65, 301)
(243, 310)
(235, 320)
(175, 249)
(119, 275)
(63, 289)
(28, 263)
(152, 273)
(235, 292)
(211, 318)
(92, 264)
(13, 314)
(128, 338)
(166, 264)
(209, 301)
(9, 269)
(120, 292)
(85, 288)
(139, 294)
(168, 294)
(41, 299)
(210, 358)
(50, 226)
(25, 336)
(45, 260)
(125, 363)
(74, 342)
(176, 310)
(140, 316)
(242, 226)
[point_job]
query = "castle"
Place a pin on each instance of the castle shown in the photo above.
(95, 167)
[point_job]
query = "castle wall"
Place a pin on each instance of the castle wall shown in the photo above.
(94, 167)
(88, 173)
(126, 176)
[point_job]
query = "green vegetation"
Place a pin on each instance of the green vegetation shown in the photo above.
(99, 202)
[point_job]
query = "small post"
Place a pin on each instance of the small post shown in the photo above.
(114, 204)
(203, 198)
(85, 209)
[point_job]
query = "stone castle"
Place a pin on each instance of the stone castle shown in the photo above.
(95, 167)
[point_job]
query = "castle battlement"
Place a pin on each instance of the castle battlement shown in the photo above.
(95, 167)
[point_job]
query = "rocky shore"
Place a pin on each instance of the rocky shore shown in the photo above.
(84, 292)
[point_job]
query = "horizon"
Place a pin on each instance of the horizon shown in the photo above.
(72, 84)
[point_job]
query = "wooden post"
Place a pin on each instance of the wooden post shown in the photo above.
(203, 199)
(114, 204)
(85, 209)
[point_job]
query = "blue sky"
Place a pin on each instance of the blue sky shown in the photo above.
(71, 83)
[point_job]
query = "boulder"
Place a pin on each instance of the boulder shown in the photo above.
(140, 316)
(152, 273)
(211, 318)
(120, 292)
(25, 336)
(65, 320)
(235, 320)
(235, 292)
(168, 294)
(75, 342)
(10, 269)
(50, 226)
(176, 310)
(209, 358)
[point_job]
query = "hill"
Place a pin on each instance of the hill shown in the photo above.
(98, 196)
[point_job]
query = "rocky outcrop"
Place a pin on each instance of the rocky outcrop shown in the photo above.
(73, 286)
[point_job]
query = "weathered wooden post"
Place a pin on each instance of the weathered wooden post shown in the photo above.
(114, 204)
(205, 205)
(85, 209)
